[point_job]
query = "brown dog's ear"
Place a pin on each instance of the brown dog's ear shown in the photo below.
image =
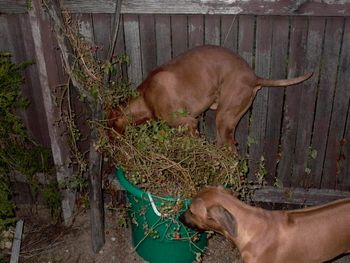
(224, 218)
(198, 208)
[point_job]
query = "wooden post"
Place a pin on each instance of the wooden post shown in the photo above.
(47, 67)
(95, 179)
(16, 244)
(95, 158)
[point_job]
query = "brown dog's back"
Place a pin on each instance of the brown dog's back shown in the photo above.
(203, 77)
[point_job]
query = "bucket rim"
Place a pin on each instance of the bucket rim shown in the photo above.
(139, 193)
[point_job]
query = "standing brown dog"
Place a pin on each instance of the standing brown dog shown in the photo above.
(201, 78)
(310, 235)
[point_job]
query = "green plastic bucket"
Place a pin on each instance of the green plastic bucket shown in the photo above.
(159, 239)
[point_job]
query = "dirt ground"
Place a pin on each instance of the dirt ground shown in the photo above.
(45, 243)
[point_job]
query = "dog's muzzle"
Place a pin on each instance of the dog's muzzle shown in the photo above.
(185, 219)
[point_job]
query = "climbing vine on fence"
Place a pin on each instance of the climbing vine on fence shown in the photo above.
(18, 152)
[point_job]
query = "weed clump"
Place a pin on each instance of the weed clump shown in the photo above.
(166, 161)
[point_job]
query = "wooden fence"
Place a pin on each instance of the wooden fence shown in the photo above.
(301, 134)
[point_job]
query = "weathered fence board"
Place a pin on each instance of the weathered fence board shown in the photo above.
(163, 39)
(259, 7)
(196, 38)
(179, 34)
(36, 120)
(102, 34)
(133, 48)
(296, 60)
(333, 157)
(20, 44)
(245, 49)
(48, 79)
(86, 26)
(333, 33)
(307, 103)
(259, 109)
(297, 196)
(62, 75)
(195, 30)
(229, 32)
(340, 160)
(345, 163)
(13, 6)
(275, 105)
(211, 37)
(148, 46)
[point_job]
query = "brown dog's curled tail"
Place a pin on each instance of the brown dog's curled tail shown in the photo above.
(282, 82)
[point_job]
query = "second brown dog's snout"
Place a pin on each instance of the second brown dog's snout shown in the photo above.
(184, 218)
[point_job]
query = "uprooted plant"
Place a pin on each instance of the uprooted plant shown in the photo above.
(168, 162)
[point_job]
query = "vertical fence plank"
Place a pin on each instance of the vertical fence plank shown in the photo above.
(212, 30)
(119, 48)
(336, 163)
(211, 37)
(85, 26)
(298, 37)
(344, 162)
(4, 34)
(229, 32)
(195, 30)
(133, 48)
(45, 61)
(148, 44)
(37, 123)
(179, 34)
(275, 104)
(102, 34)
(120, 45)
(344, 177)
(15, 38)
(259, 108)
(308, 101)
(327, 82)
(62, 76)
(245, 49)
(196, 38)
(17, 47)
(163, 39)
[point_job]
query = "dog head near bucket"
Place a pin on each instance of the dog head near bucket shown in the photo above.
(206, 213)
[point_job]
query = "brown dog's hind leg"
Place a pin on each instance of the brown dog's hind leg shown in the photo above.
(225, 129)
(229, 113)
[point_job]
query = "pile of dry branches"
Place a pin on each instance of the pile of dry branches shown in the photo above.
(167, 162)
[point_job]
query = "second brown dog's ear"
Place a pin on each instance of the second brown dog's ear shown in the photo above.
(224, 218)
